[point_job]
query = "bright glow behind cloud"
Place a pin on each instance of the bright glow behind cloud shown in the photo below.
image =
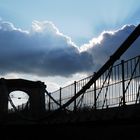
(48, 28)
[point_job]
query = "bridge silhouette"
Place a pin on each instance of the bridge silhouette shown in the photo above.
(111, 93)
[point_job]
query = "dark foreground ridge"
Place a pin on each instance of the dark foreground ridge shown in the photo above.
(116, 129)
(115, 123)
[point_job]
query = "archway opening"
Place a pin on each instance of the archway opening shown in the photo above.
(19, 99)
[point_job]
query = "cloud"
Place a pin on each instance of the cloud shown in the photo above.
(45, 51)
(106, 44)
(42, 51)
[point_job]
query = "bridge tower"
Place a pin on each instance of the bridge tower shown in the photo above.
(35, 91)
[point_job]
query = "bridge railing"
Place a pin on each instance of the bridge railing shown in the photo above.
(64, 94)
(119, 85)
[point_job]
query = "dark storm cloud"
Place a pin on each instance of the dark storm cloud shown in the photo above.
(45, 51)
(42, 51)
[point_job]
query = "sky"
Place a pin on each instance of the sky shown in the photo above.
(81, 20)
(59, 41)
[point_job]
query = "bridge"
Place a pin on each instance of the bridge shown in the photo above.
(112, 94)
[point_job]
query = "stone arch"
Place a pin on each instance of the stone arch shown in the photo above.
(35, 91)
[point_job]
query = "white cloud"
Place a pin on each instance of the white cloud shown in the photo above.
(102, 47)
